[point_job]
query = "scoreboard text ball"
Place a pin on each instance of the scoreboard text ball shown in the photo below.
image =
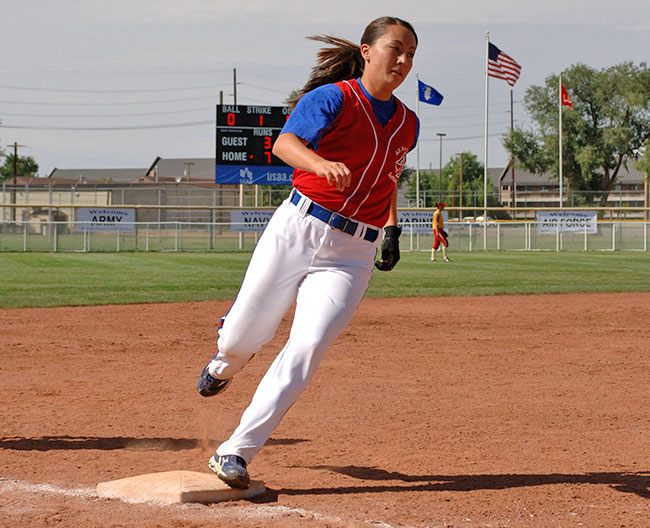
(245, 134)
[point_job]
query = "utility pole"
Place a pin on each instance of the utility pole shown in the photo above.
(460, 211)
(240, 235)
(13, 192)
(453, 174)
(188, 164)
(441, 135)
(513, 192)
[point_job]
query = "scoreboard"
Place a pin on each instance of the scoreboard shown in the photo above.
(244, 138)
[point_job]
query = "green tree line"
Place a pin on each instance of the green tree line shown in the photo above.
(607, 128)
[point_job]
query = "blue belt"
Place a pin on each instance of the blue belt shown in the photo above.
(335, 220)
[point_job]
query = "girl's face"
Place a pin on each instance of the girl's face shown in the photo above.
(389, 60)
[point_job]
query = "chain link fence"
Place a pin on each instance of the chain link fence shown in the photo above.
(230, 236)
(200, 217)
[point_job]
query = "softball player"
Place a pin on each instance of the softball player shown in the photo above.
(347, 138)
(439, 233)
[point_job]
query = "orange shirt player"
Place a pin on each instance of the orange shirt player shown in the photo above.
(439, 233)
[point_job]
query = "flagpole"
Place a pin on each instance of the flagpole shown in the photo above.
(417, 147)
(485, 145)
(559, 107)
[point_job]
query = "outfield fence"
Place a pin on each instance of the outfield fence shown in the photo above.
(78, 236)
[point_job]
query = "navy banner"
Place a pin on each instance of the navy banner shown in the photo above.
(253, 175)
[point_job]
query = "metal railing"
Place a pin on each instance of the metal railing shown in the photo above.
(66, 236)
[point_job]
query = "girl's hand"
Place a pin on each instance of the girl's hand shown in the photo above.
(336, 173)
(293, 151)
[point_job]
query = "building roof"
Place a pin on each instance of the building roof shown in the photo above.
(183, 169)
(625, 176)
(98, 175)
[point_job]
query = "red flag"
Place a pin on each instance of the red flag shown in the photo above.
(566, 100)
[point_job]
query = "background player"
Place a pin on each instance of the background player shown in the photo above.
(439, 233)
(348, 143)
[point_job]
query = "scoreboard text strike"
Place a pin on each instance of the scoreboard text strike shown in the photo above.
(244, 139)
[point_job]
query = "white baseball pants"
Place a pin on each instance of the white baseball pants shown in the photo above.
(297, 259)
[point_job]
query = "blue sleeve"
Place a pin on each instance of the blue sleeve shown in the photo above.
(315, 112)
(417, 135)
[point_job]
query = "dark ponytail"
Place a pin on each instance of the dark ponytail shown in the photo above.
(343, 60)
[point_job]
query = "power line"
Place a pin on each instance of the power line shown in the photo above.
(460, 138)
(112, 104)
(265, 88)
(116, 72)
(28, 88)
(136, 127)
(470, 126)
(463, 116)
(109, 115)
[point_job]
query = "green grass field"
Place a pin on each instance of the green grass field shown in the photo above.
(53, 279)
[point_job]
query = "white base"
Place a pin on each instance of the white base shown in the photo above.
(177, 487)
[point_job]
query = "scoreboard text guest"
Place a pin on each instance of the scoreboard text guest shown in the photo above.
(245, 134)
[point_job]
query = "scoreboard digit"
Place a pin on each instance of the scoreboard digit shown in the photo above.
(246, 133)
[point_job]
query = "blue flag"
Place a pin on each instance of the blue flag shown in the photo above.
(428, 94)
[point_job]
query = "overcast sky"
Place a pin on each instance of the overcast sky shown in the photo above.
(149, 72)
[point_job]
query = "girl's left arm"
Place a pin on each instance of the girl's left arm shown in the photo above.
(392, 215)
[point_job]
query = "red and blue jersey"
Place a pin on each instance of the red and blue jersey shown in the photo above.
(373, 148)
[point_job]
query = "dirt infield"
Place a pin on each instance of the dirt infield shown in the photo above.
(489, 411)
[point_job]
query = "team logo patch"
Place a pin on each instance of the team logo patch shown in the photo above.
(400, 154)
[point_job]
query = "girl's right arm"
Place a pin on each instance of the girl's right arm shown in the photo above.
(293, 151)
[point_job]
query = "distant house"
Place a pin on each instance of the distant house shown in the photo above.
(186, 170)
(161, 170)
(542, 189)
(97, 176)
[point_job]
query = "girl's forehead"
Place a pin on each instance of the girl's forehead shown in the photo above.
(399, 33)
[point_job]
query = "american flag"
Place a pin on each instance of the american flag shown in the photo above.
(502, 65)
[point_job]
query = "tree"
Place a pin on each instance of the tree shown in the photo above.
(26, 167)
(431, 186)
(609, 122)
(643, 164)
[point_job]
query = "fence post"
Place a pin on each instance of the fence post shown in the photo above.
(470, 237)
(56, 237)
(146, 243)
(24, 236)
(498, 237)
(613, 236)
(557, 237)
(525, 236)
(49, 212)
(485, 233)
(585, 236)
